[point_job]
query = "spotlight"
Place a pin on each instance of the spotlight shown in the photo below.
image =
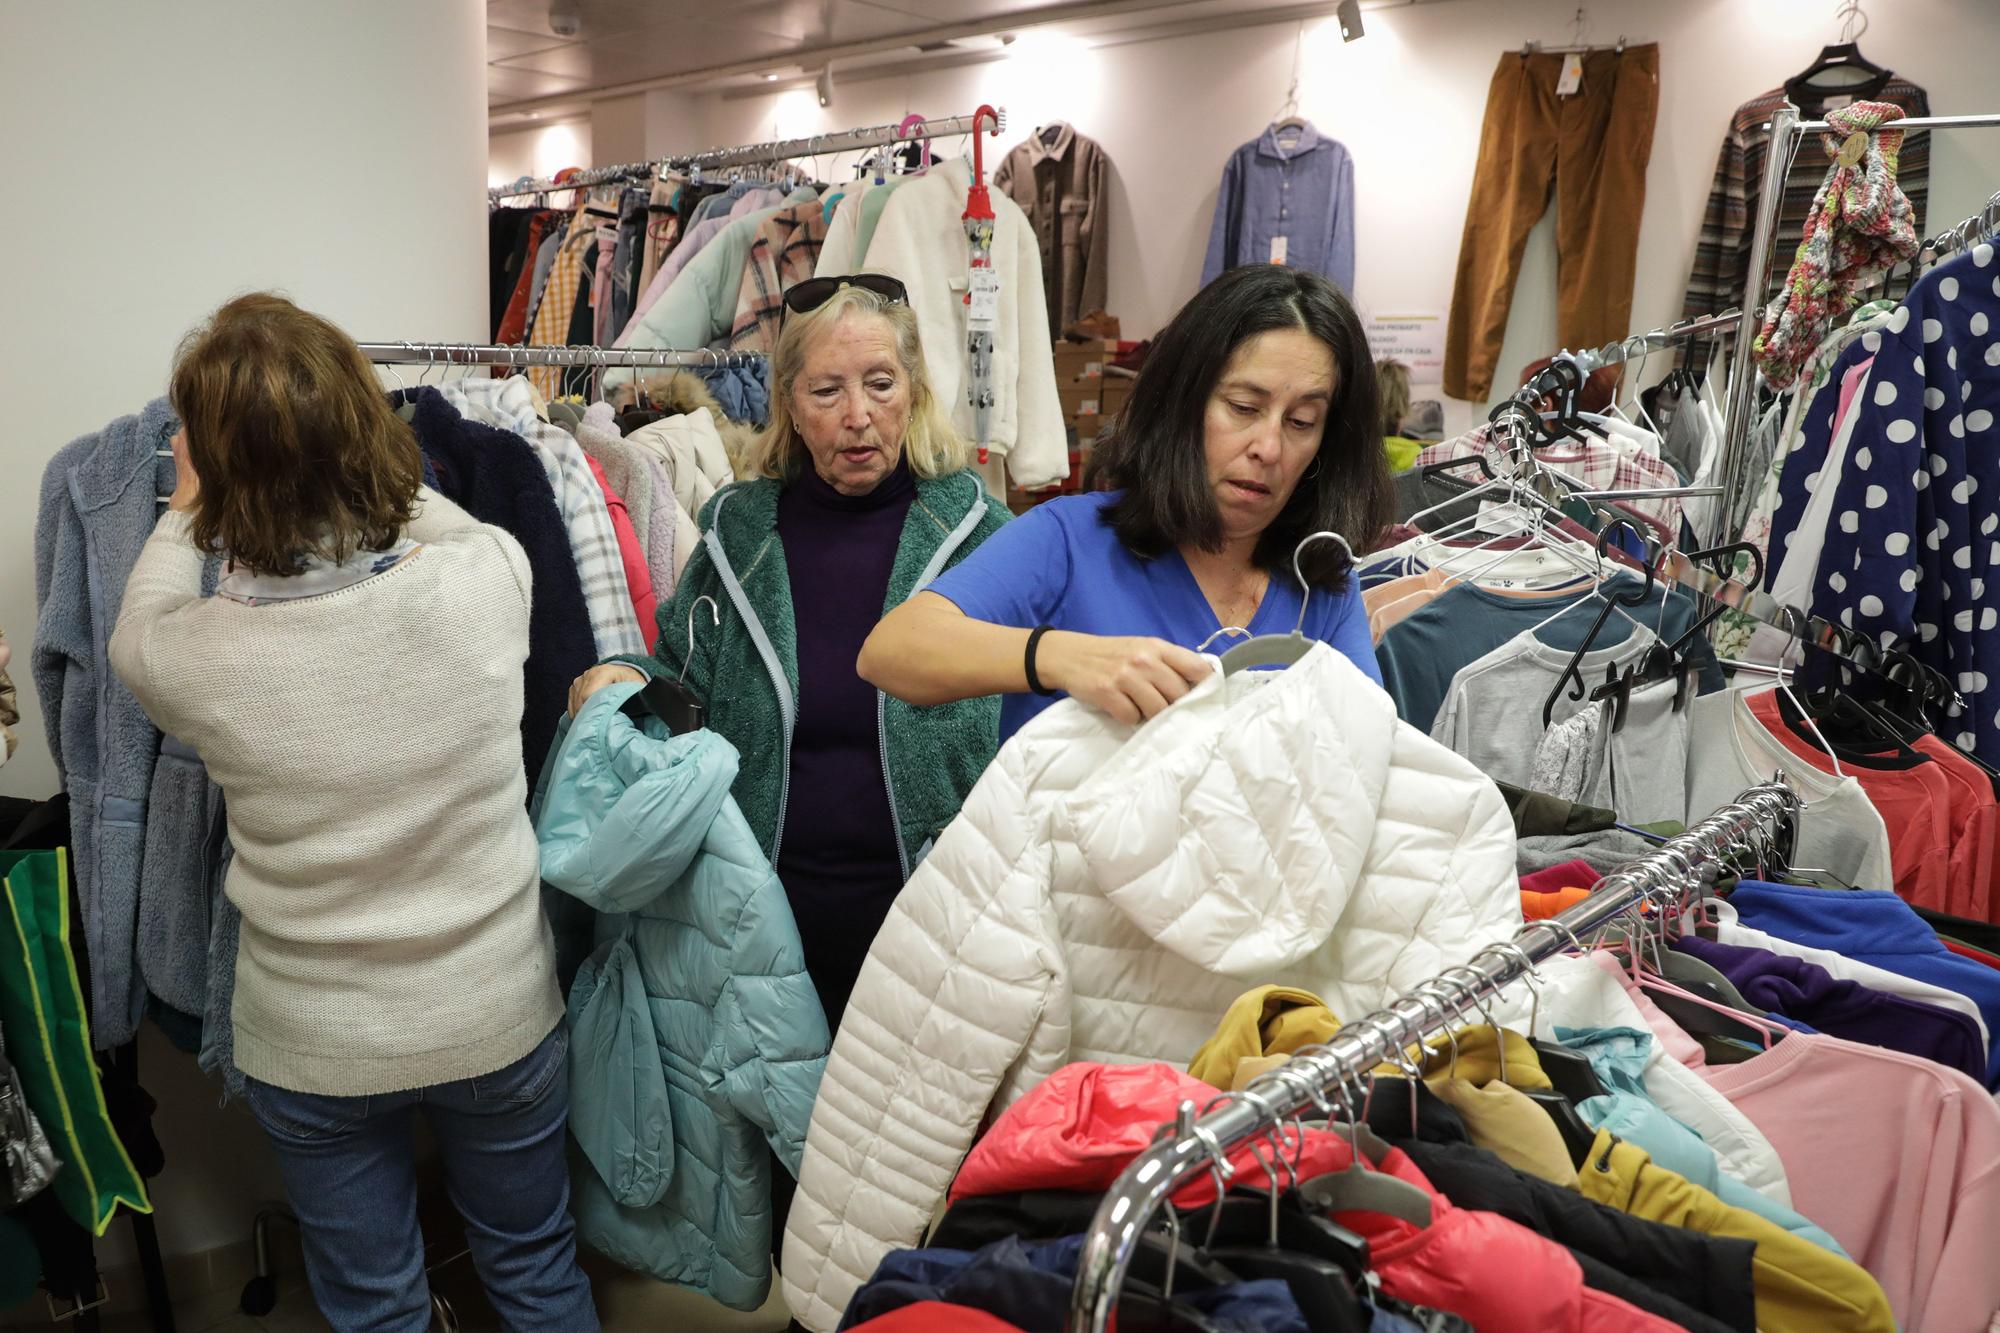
(1350, 20)
(825, 86)
(770, 78)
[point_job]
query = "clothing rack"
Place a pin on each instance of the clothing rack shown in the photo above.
(1319, 1075)
(1591, 360)
(784, 150)
(582, 357)
(1539, 487)
(1788, 131)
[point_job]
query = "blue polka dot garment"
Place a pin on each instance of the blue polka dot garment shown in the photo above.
(1912, 553)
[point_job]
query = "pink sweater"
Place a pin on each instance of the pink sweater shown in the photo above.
(1897, 1157)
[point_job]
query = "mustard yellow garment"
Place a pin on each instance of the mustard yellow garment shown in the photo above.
(1503, 1121)
(1267, 1021)
(1800, 1287)
(1478, 1058)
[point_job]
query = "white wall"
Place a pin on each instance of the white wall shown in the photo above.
(163, 158)
(1408, 100)
(541, 151)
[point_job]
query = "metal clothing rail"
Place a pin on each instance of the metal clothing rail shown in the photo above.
(1591, 360)
(784, 150)
(1317, 1076)
(502, 354)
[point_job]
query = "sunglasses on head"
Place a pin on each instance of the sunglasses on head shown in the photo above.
(805, 297)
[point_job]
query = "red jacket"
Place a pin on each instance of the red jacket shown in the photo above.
(1082, 1125)
(935, 1317)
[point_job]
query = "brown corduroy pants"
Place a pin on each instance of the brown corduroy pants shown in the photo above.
(1590, 149)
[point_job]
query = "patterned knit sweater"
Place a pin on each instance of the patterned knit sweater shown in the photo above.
(1721, 271)
(368, 742)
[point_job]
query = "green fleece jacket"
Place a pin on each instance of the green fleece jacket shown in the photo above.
(746, 670)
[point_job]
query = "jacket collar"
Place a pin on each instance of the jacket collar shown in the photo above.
(1270, 146)
(1039, 152)
(749, 518)
(125, 457)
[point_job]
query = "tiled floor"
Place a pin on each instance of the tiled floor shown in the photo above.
(625, 1301)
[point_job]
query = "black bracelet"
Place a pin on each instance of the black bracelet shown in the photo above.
(1035, 681)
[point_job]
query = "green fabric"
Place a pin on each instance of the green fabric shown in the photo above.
(872, 204)
(1402, 452)
(1537, 814)
(935, 753)
(700, 306)
(48, 1040)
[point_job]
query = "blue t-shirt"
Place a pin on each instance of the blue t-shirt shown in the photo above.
(1061, 565)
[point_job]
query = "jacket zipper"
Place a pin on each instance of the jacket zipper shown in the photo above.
(931, 570)
(787, 706)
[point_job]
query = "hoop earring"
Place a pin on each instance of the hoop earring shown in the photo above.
(1313, 471)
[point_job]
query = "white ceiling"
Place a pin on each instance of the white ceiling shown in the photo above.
(629, 41)
(624, 46)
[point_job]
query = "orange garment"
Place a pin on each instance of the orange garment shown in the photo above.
(1588, 151)
(1537, 906)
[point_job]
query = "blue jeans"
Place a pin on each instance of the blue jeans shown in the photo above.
(350, 1173)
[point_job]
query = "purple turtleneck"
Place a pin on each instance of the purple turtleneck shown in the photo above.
(838, 859)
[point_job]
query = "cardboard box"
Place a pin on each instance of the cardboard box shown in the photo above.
(1084, 360)
(1094, 397)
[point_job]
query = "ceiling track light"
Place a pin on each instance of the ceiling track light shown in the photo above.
(1350, 20)
(825, 85)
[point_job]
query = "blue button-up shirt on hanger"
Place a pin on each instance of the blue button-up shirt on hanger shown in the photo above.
(1287, 197)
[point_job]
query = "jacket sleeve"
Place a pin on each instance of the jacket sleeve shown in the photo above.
(62, 621)
(772, 1033)
(1039, 452)
(1220, 238)
(1096, 240)
(165, 582)
(961, 993)
(1340, 223)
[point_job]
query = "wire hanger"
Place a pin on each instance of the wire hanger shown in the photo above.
(672, 701)
(1264, 650)
(1288, 114)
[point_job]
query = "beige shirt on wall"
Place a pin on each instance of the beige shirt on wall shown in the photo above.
(1060, 186)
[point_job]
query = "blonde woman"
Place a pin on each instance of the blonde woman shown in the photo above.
(859, 496)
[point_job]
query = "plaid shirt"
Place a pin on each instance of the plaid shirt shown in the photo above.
(1721, 271)
(599, 565)
(784, 252)
(1597, 465)
(551, 323)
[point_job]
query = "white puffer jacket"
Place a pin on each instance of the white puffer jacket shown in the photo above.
(1107, 891)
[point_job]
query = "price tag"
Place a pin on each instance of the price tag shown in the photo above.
(1853, 149)
(1280, 247)
(1572, 75)
(984, 297)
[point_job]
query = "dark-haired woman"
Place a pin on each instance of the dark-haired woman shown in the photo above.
(1254, 423)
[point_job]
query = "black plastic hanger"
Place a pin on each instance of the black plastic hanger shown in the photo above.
(1577, 1135)
(1836, 55)
(1612, 600)
(1268, 1234)
(672, 701)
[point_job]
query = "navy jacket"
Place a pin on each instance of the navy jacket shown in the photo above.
(495, 476)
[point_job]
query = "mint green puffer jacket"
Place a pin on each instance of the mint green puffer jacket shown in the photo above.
(696, 1037)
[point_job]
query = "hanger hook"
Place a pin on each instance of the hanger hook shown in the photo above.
(715, 621)
(1305, 589)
